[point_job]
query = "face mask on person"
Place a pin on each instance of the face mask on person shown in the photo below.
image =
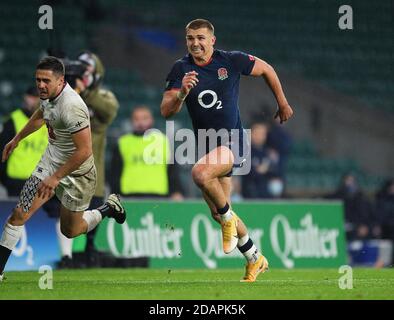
(88, 79)
(90, 76)
(275, 187)
(139, 132)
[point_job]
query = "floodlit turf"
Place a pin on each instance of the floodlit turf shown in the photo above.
(149, 284)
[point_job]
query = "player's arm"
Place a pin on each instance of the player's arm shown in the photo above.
(171, 103)
(173, 99)
(35, 122)
(262, 68)
(83, 150)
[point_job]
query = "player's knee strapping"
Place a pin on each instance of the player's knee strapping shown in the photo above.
(28, 193)
(92, 218)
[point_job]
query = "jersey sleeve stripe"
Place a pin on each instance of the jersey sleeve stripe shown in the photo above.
(80, 130)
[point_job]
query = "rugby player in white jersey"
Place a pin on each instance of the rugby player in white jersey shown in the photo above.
(66, 169)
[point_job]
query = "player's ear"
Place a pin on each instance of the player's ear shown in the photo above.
(213, 40)
(61, 80)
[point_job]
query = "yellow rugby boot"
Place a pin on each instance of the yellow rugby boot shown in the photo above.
(254, 269)
(229, 233)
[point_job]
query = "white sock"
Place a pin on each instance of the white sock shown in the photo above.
(243, 240)
(252, 254)
(11, 235)
(65, 244)
(92, 218)
(227, 216)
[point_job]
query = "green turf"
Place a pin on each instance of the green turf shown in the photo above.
(199, 284)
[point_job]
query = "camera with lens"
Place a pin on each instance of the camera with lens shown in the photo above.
(74, 69)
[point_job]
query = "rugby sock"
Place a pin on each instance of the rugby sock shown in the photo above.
(225, 212)
(106, 210)
(248, 249)
(92, 218)
(90, 240)
(9, 238)
(4, 255)
(65, 243)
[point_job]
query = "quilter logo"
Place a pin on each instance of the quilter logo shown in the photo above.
(150, 240)
(206, 240)
(305, 241)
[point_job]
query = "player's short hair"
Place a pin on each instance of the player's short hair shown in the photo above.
(51, 63)
(200, 23)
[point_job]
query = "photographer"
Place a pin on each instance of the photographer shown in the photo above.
(74, 73)
(86, 75)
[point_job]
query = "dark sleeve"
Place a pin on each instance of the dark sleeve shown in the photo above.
(174, 181)
(104, 105)
(174, 78)
(5, 136)
(280, 140)
(274, 168)
(382, 211)
(242, 62)
(365, 211)
(248, 189)
(117, 166)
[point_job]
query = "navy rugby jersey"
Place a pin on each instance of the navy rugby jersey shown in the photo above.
(213, 102)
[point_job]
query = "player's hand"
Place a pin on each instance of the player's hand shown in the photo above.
(284, 113)
(9, 147)
(189, 81)
(47, 187)
(79, 86)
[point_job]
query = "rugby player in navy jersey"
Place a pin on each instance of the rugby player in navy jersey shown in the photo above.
(207, 80)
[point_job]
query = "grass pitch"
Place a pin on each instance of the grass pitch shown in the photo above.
(223, 284)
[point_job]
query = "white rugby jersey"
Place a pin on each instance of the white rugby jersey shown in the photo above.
(64, 115)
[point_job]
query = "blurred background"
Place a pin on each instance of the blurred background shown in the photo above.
(340, 142)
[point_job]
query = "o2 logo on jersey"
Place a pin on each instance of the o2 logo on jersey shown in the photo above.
(214, 102)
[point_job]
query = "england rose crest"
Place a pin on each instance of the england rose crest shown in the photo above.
(222, 73)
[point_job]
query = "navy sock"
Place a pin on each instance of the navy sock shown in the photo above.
(106, 210)
(4, 255)
(246, 246)
(90, 240)
(224, 209)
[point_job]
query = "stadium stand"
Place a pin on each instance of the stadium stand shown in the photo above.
(321, 40)
(21, 45)
(309, 173)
